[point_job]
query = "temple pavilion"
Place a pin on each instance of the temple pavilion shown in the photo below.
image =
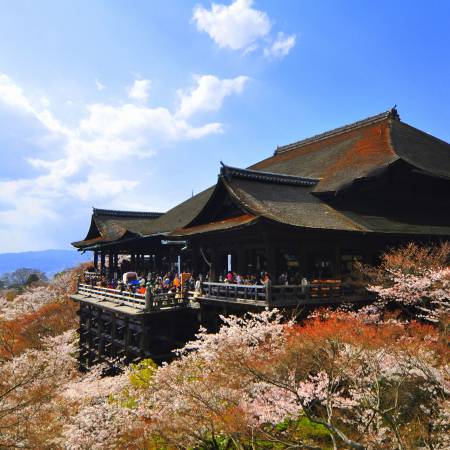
(312, 208)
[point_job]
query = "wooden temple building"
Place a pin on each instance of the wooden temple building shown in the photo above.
(311, 209)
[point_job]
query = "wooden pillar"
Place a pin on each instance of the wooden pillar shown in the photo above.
(113, 335)
(127, 339)
(95, 260)
(195, 260)
(143, 338)
(337, 262)
(303, 259)
(110, 264)
(271, 260)
(241, 262)
(100, 337)
(89, 335)
(102, 262)
(214, 261)
(157, 262)
(138, 262)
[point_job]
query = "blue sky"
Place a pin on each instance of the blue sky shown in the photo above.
(131, 105)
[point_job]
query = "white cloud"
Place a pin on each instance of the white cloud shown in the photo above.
(281, 46)
(99, 85)
(92, 156)
(236, 26)
(101, 185)
(239, 26)
(12, 95)
(209, 94)
(139, 90)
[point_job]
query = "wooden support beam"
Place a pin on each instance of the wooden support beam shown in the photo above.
(127, 338)
(142, 338)
(271, 265)
(100, 337)
(213, 275)
(96, 260)
(102, 262)
(89, 334)
(113, 335)
(110, 264)
(241, 266)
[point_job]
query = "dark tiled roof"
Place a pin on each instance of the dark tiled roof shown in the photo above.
(182, 214)
(359, 150)
(288, 204)
(220, 225)
(128, 214)
(112, 225)
(338, 159)
(382, 224)
(284, 187)
(266, 177)
(392, 113)
(298, 206)
(420, 149)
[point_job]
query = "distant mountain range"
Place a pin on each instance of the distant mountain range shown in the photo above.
(48, 261)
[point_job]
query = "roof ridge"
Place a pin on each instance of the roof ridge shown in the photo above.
(120, 213)
(391, 113)
(268, 177)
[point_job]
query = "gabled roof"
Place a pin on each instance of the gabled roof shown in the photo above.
(288, 202)
(112, 225)
(283, 199)
(287, 187)
(359, 150)
(392, 113)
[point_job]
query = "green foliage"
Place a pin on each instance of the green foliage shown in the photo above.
(142, 373)
(312, 430)
(288, 432)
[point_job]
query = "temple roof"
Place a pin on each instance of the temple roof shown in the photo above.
(290, 186)
(267, 177)
(392, 113)
(111, 225)
(360, 150)
(126, 214)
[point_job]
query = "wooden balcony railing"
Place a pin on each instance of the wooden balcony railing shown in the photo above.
(316, 292)
(134, 300)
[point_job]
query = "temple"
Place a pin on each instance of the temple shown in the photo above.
(312, 207)
(308, 212)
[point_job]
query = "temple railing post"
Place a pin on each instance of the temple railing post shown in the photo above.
(148, 297)
(268, 285)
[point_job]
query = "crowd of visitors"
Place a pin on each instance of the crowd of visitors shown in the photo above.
(172, 282)
(139, 282)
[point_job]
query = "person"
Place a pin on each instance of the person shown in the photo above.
(304, 284)
(176, 282)
(141, 289)
(198, 287)
(166, 283)
(267, 282)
